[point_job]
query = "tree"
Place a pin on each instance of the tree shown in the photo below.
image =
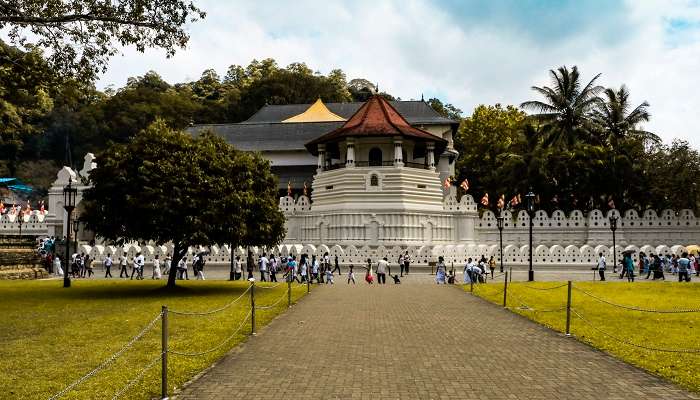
(565, 111)
(166, 186)
(615, 120)
(446, 110)
(81, 34)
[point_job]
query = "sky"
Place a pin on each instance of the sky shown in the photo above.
(464, 52)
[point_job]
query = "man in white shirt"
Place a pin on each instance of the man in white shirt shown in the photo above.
(382, 267)
(140, 261)
(263, 267)
(123, 263)
(601, 266)
(468, 269)
(108, 266)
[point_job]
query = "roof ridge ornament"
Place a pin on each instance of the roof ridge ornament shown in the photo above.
(317, 112)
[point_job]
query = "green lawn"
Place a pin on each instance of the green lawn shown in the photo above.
(51, 336)
(667, 331)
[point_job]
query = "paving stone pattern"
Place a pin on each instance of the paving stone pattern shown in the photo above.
(414, 341)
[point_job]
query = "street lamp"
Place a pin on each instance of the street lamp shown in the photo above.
(76, 229)
(613, 227)
(499, 221)
(530, 212)
(69, 195)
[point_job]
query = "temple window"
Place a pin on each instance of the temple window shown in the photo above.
(374, 180)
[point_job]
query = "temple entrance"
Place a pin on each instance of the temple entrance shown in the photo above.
(375, 157)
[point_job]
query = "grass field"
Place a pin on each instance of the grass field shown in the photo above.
(52, 336)
(670, 331)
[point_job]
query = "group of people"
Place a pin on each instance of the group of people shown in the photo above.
(314, 269)
(654, 266)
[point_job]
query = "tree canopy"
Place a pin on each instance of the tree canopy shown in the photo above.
(166, 186)
(82, 35)
(583, 147)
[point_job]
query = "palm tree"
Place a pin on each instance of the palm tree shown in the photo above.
(565, 110)
(616, 122)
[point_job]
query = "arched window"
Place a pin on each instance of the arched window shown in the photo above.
(375, 157)
(374, 180)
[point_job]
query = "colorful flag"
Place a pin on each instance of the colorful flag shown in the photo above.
(2, 208)
(485, 200)
(464, 185)
(501, 202)
(42, 209)
(515, 201)
(611, 203)
(289, 188)
(306, 191)
(447, 183)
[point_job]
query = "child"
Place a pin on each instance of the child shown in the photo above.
(329, 276)
(396, 279)
(351, 275)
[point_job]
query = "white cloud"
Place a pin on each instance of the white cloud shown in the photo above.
(416, 47)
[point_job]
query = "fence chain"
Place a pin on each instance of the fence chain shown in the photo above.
(627, 342)
(550, 288)
(273, 304)
(216, 310)
(217, 347)
(268, 287)
(137, 377)
(108, 361)
(632, 308)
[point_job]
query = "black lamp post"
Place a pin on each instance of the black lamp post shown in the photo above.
(613, 227)
(69, 195)
(76, 229)
(530, 212)
(499, 221)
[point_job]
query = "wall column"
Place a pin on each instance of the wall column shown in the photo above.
(430, 154)
(398, 151)
(321, 157)
(350, 153)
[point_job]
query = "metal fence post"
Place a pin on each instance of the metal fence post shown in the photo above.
(568, 309)
(505, 289)
(289, 294)
(252, 307)
(164, 353)
(511, 274)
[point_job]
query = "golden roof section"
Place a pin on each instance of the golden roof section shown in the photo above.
(317, 112)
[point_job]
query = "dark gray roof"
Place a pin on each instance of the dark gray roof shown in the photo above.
(415, 112)
(269, 136)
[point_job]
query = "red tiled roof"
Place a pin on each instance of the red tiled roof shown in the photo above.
(375, 118)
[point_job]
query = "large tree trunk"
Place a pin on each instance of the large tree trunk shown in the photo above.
(178, 252)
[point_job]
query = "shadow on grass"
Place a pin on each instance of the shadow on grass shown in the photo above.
(115, 290)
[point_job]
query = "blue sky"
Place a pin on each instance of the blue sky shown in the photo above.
(466, 52)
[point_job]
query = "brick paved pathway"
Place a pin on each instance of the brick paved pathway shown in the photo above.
(417, 342)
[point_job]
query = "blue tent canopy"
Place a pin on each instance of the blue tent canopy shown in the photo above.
(15, 185)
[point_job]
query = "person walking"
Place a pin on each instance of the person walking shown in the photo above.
(123, 264)
(628, 269)
(237, 268)
(249, 264)
(351, 275)
(329, 276)
(684, 268)
(369, 277)
(182, 268)
(601, 266)
(199, 272)
(441, 271)
(337, 265)
(401, 265)
(140, 261)
(262, 266)
(290, 274)
(108, 266)
(90, 266)
(156, 268)
(469, 271)
(492, 266)
(382, 267)
(314, 269)
(406, 262)
(57, 266)
(273, 268)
